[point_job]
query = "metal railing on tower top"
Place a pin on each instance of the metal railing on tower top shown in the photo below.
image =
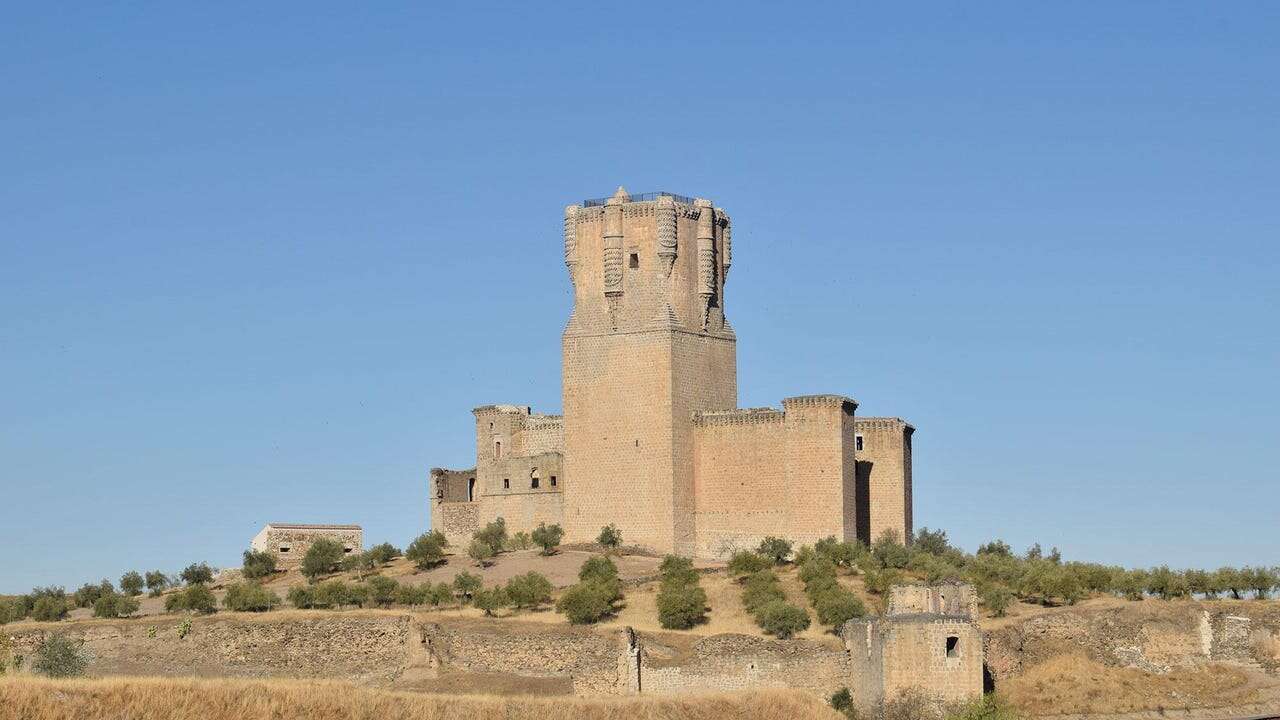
(640, 197)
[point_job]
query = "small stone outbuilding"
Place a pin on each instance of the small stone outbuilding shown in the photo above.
(289, 541)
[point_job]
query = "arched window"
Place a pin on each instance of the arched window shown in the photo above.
(497, 449)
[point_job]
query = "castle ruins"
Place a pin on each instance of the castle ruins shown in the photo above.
(652, 439)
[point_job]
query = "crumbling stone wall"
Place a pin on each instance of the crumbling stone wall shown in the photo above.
(740, 662)
(289, 542)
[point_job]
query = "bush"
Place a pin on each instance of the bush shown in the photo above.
(933, 542)
(494, 534)
(843, 554)
(413, 594)
(520, 541)
(257, 564)
(465, 585)
(776, 549)
(889, 552)
(324, 556)
(598, 567)
(835, 608)
(988, 707)
(59, 657)
(996, 598)
(194, 598)
(548, 537)
(678, 570)
(114, 606)
(384, 553)
(745, 563)
(879, 580)
(89, 593)
(842, 702)
(441, 594)
(383, 590)
(427, 550)
(490, 600)
(9, 611)
(996, 547)
(482, 552)
(131, 583)
(338, 594)
(681, 606)
(249, 597)
(760, 590)
(589, 601)
(781, 619)
(197, 574)
(49, 608)
(610, 537)
(529, 590)
(156, 582)
(302, 597)
(361, 563)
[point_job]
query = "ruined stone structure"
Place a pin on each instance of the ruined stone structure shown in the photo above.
(289, 541)
(928, 640)
(651, 438)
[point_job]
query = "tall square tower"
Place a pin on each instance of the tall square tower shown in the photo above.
(647, 345)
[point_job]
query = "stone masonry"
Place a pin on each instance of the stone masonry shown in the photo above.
(651, 439)
(289, 541)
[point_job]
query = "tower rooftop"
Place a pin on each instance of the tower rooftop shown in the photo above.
(637, 197)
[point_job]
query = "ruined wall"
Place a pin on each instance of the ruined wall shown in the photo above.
(457, 520)
(452, 485)
(740, 662)
(289, 543)
(952, 598)
(916, 656)
(884, 477)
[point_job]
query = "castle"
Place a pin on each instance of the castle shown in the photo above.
(651, 439)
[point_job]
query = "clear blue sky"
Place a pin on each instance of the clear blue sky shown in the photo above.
(259, 261)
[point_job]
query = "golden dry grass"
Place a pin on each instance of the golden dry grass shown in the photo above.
(27, 698)
(1075, 685)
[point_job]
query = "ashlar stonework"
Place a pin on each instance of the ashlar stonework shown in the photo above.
(651, 439)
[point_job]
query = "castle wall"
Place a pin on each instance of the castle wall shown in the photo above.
(884, 477)
(818, 480)
(916, 656)
(739, 464)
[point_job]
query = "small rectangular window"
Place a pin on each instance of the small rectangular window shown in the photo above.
(284, 548)
(953, 646)
(553, 481)
(533, 482)
(346, 550)
(506, 483)
(857, 442)
(635, 261)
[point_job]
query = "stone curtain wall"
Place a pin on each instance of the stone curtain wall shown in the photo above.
(742, 662)
(457, 520)
(884, 476)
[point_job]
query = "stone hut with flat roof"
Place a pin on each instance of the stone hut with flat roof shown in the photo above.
(289, 541)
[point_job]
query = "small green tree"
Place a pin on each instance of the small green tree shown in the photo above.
(520, 541)
(598, 567)
(249, 597)
(156, 582)
(197, 574)
(48, 608)
(258, 564)
(361, 563)
(465, 586)
(382, 590)
(302, 597)
(681, 606)
(131, 583)
(610, 537)
(746, 563)
(58, 656)
(996, 547)
(442, 594)
(482, 552)
(427, 550)
(781, 619)
(384, 553)
(587, 602)
(888, 550)
(996, 598)
(114, 605)
(493, 534)
(89, 593)
(776, 549)
(548, 537)
(491, 599)
(529, 590)
(413, 594)
(194, 598)
(323, 557)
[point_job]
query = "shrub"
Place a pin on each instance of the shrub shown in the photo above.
(520, 541)
(482, 552)
(413, 594)
(888, 550)
(610, 537)
(49, 608)
(933, 542)
(156, 582)
(427, 550)
(114, 606)
(588, 602)
(465, 586)
(843, 554)
(494, 534)
(781, 619)
(678, 570)
(529, 590)
(197, 574)
(441, 594)
(194, 598)
(384, 553)
(9, 609)
(338, 594)
(776, 549)
(835, 608)
(996, 598)
(879, 580)
(996, 547)
(89, 593)
(761, 589)
(302, 597)
(745, 563)
(324, 556)
(548, 537)
(382, 590)
(842, 702)
(131, 583)
(257, 564)
(59, 656)
(681, 606)
(988, 707)
(249, 597)
(598, 567)
(361, 563)
(490, 600)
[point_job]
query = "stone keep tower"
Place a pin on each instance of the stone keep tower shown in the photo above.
(647, 344)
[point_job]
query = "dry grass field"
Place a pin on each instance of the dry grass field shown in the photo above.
(164, 699)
